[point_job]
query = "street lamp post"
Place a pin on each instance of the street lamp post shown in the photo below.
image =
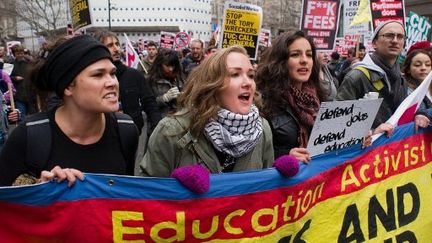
(109, 14)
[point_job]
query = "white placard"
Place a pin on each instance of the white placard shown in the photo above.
(350, 10)
(340, 124)
(7, 67)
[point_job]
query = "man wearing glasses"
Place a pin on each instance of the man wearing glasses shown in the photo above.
(379, 72)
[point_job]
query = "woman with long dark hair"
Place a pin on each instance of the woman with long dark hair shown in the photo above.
(166, 80)
(288, 78)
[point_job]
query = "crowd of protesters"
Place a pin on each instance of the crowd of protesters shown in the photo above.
(210, 108)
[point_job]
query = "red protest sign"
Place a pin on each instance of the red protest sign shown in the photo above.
(320, 21)
(383, 11)
(167, 40)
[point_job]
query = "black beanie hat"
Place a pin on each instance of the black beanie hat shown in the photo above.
(66, 61)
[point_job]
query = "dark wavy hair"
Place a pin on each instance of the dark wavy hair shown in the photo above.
(273, 76)
(168, 57)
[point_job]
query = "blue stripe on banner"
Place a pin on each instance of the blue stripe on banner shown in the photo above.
(221, 185)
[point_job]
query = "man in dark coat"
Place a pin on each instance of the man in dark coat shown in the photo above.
(135, 93)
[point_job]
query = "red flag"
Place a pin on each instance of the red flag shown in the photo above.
(132, 57)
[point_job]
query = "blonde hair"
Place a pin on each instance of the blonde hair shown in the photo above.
(204, 85)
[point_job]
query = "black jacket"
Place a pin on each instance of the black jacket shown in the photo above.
(136, 96)
(285, 128)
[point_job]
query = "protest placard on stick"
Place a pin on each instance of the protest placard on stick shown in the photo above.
(242, 26)
(341, 124)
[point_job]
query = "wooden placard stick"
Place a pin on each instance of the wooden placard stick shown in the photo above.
(11, 95)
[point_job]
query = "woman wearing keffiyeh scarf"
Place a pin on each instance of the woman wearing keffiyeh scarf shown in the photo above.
(288, 77)
(217, 124)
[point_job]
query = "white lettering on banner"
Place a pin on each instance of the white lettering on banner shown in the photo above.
(320, 22)
(419, 23)
(320, 15)
(330, 9)
(384, 6)
(310, 7)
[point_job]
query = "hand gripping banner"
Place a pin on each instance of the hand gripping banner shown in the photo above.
(378, 194)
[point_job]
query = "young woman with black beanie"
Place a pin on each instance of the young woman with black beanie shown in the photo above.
(84, 134)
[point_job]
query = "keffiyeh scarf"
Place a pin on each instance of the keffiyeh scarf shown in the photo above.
(234, 134)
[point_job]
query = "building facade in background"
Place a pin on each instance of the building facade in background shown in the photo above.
(278, 15)
(145, 19)
(137, 18)
(420, 7)
(8, 24)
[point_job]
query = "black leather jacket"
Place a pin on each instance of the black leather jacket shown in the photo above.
(285, 128)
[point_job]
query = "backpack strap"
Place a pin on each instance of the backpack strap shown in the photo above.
(128, 134)
(188, 141)
(38, 147)
(378, 84)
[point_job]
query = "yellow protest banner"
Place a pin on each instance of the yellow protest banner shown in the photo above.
(80, 12)
(241, 26)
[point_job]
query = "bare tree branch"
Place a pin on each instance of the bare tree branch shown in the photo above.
(43, 16)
